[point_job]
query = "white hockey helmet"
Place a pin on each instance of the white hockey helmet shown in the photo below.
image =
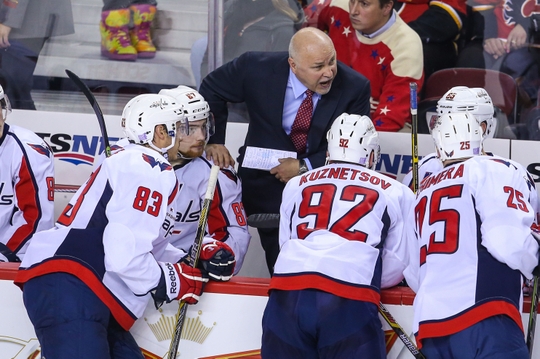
(144, 112)
(353, 138)
(4, 103)
(457, 135)
(475, 100)
(195, 107)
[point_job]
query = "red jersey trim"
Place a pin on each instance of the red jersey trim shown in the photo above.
(467, 319)
(315, 281)
(27, 201)
(120, 313)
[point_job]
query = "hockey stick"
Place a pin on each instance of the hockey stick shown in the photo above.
(414, 134)
(400, 332)
(271, 220)
(263, 220)
(194, 257)
(99, 114)
(532, 316)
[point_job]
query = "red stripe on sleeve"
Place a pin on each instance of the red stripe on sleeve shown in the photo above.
(217, 219)
(26, 192)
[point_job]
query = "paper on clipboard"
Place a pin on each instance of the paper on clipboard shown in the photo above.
(264, 158)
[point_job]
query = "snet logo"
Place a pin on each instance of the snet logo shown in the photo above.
(393, 165)
(76, 149)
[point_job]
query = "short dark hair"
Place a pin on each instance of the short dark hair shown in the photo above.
(382, 3)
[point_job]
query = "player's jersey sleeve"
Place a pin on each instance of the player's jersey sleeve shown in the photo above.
(140, 216)
(33, 191)
(506, 216)
(227, 218)
(395, 252)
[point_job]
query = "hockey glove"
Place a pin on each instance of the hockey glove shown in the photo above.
(179, 282)
(217, 259)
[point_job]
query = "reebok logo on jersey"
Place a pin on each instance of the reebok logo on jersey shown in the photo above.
(152, 162)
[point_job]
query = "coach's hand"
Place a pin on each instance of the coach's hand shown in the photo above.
(220, 155)
(217, 259)
(287, 169)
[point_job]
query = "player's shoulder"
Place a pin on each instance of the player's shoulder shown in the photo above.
(133, 158)
(34, 146)
(23, 134)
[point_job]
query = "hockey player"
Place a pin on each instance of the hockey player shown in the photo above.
(26, 186)
(227, 238)
(88, 279)
(470, 249)
(340, 236)
(478, 102)
(458, 99)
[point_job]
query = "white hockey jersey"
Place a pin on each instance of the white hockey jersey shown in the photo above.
(341, 232)
(432, 164)
(26, 187)
(471, 246)
(112, 231)
(226, 217)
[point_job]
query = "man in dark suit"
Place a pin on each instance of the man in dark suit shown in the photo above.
(273, 86)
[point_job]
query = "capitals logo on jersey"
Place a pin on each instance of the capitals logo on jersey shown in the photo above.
(41, 149)
(153, 163)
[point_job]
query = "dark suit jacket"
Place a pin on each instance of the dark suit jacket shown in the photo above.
(260, 79)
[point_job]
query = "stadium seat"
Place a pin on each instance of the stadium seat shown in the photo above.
(501, 87)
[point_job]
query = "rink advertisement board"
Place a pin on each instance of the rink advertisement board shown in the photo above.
(226, 323)
(75, 140)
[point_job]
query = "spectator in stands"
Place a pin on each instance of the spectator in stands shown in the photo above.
(498, 27)
(260, 25)
(438, 23)
(332, 16)
(25, 25)
(388, 52)
(26, 186)
(341, 242)
(290, 97)
(255, 25)
(383, 48)
(125, 29)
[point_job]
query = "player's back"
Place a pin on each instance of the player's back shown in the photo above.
(336, 219)
(473, 240)
(351, 201)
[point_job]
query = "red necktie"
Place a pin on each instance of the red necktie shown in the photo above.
(301, 123)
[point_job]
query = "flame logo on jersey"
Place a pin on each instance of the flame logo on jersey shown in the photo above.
(153, 163)
(41, 149)
(530, 7)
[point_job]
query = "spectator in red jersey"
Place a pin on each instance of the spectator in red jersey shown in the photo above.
(376, 42)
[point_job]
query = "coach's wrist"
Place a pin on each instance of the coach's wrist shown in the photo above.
(303, 168)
